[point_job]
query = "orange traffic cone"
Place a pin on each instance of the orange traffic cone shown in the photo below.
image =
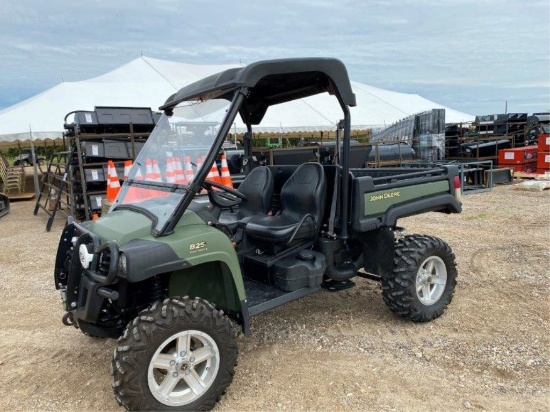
(157, 177)
(113, 184)
(151, 177)
(226, 176)
(109, 193)
(178, 171)
(149, 170)
(214, 175)
(133, 193)
(200, 162)
(170, 174)
(189, 175)
(127, 167)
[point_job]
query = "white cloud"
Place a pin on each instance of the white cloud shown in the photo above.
(448, 48)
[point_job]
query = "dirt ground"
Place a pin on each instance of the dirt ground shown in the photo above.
(328, 351)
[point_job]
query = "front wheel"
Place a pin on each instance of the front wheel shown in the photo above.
(178, 355)
(423, 280)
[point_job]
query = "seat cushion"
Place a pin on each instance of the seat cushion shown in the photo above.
(280, 229)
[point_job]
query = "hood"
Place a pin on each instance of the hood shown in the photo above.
(121, 226)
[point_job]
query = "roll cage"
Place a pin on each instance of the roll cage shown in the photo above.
(256, 87)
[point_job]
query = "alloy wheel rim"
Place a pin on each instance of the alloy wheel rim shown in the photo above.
(183, 368)
(431, 280)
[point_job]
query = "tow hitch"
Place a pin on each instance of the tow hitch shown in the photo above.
(68, 319)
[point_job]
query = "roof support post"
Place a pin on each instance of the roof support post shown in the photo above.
(345, 170)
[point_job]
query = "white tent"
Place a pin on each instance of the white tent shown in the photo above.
(147, 82)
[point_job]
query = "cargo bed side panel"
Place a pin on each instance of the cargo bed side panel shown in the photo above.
(374, 197)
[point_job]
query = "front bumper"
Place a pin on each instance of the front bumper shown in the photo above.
(84, 290)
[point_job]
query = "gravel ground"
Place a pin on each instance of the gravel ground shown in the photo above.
(328, 351)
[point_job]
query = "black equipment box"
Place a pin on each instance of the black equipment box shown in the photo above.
(111, 149)
(94, 175)
(113, 120)
(95, 201)
(304, 269)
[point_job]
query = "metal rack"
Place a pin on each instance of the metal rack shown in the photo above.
(475, 176)
(88, 174)
(76, 180)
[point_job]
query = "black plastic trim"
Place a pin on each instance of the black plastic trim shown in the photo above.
(140, 210)
(245, 319)
(89, 301)
(65, 244)
(378, 251)
(281, 300)
(147, 258)
(113, 263)
(428, 204)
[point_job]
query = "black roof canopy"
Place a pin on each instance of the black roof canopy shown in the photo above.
(273, 82)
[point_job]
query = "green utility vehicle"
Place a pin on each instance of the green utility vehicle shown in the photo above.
(175, 265)
(25, 158)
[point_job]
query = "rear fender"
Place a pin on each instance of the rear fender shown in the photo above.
(439, 203)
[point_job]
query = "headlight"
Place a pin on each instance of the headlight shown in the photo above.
(85, 256)
(122, 263)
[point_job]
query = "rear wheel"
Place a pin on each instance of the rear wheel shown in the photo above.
(177, 355)
(423, 280)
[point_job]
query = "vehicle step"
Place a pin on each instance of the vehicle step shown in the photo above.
(261, 297)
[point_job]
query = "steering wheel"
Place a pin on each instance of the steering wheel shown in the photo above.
(226, 197)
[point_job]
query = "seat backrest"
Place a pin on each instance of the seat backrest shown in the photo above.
(304, 193)
(258, 189)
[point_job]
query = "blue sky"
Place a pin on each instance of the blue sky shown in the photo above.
(470, 55)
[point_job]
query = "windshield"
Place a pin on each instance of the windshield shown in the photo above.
(171, 158)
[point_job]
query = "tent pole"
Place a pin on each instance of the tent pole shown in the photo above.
(34, 163)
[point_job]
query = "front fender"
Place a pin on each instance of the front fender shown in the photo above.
(202, 244)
